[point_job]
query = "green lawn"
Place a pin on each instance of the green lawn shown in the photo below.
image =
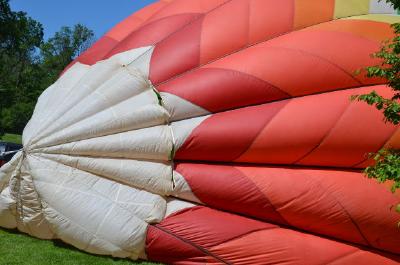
(12, 138)
(19, 249)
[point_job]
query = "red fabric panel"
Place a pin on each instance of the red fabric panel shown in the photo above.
(231, 190)
(325, 130)
(353, 129)
(226, 29)
(153, 32)
(199, 219)
(319, 201)
(167, 248)
(297, 128)
(224, 136)
(219, 89)
(232, 239)
(171, 57)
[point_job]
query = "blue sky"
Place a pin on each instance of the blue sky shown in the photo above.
(98, 15)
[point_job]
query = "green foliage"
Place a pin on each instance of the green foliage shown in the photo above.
(28, 65)
(394, 3)
(19, 249)
(386, 167)
(61, 49)
(387, 161)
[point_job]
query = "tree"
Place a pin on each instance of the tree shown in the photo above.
(20, 37)
(66, 45)
(28, 65)
(387, 160)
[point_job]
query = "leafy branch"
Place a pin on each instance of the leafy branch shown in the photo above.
(387, 161)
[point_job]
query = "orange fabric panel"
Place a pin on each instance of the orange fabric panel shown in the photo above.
(325, 202)
(394, 141)
(224, 30)
(328, 46)
(373, 30)
(296, 129)
(307, 204)
(308, 74)
(290, 247)
(185, 6)
(269, 18)
(130, 24)
(368, 133)
(311, 12)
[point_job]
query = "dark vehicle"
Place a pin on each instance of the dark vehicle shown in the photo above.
(7, 147)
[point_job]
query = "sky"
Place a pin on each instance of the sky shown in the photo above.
(98, 15)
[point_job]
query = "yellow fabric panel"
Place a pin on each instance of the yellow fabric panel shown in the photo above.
(380, 18)
(347, 8)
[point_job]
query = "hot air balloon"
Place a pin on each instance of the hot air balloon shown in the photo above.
(215, 132)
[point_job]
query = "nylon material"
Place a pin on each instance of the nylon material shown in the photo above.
(347, 8)
(182, 129)
(151, 176)
(97, 75)
(135, 113)
(182, 189)
(65, 88)
(28, 205)
(391, 19)
(84, 184)
(128, 57)
(76, 235)
(7, 210)
(174, 206)
(115, 90)
(142, 62)
(152, 143)
(180, 108)
(39, 108)
(9, 169)
(103, 207)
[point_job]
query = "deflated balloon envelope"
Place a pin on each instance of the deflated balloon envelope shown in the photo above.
(215, 131)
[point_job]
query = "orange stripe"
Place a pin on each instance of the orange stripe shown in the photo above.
(311, 12)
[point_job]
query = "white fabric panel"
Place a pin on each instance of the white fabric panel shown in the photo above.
(53, 99)
(182, 129)
(174, 205)
(134, 113)
(119, 87)
(380, 7)
(180, 108)
(154, 143)
(182, 189)
(142, 62)
(7, 210)
(132, 56)
(94, 76)
(95, 214)
(29, 216)
(10, 169)
(154, 177)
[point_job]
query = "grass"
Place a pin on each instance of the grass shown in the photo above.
(20, 249)
(12, 138)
